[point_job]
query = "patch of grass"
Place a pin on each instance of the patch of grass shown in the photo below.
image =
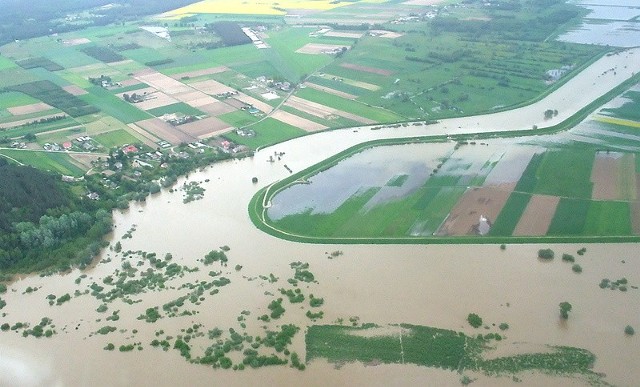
(179, 107)
(115, 138)
(570, 217)
(608, 218)
(47, 161)
(268, 132)
(114, 106)
(572, 179)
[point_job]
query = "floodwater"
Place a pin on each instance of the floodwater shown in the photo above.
(609, 23)
(434, 285)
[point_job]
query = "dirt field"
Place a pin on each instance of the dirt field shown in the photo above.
(84, 160)
(366, 69)
(216, 108)
(200, 73)
(605, 176)
(144, 136)
(211, 87)
(75, 42)
(265, 107)
(317, 48)
(362, 85)
(537, 216)
(338, 34)
(28, 109)
(322, 111)
(331, 91)
(130, 82)
(205, 128)
(154, 99)
(192, 95)
(296, 121)
(167, 132)
(465, 215)
(386, 34)
(162, 82)
(75, 90)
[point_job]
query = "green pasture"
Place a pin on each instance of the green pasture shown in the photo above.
(179, 107)
(337, 85)
(13, 98)
(608, 218)
(239, 118)
(566, 173)
(115, 138)
(268, 132)
(113, 105)
(570, 217)
(6, 63)
(39, 128)
(355, 107)
(294, 65)
(69, 57)
(15, 76)
(47, 161)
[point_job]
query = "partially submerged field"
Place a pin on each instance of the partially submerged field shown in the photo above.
(555, 186)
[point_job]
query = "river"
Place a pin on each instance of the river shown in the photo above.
(434, 285)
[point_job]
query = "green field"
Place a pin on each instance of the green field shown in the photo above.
(566, 173)
(350, 106)
(268, 132)
(115, 138)
(14, 98)
(47, 161)
(239, 118)
(114, 106)
(179, 107)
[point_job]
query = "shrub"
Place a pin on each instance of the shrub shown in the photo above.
(568, 258)
(503, 326)
(474, 320)
(629, 330)
(576, 268)
(545, 254)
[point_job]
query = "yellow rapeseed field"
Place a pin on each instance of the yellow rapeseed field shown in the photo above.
(255, 7)
(618, 121)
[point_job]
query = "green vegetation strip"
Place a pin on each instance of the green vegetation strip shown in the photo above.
(438, 348)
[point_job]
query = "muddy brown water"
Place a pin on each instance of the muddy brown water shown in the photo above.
(434, 285)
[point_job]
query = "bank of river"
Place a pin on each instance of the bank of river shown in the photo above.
(424, 285)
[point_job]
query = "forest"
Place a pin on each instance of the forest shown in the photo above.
(44, 224)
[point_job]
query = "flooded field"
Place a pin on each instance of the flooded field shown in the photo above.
(608, 23)
(432, 285)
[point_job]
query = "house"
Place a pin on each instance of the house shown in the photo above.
(129, 149)
(484, 225)
(67, 145)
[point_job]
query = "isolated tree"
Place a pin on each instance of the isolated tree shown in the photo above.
(565, 308)
(629, 330)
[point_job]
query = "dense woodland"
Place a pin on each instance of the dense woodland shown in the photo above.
(43, 224)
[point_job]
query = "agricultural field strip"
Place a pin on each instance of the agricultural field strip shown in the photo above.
(617, 121)
(297, 121)
(331, 91)
(323, 111)
(28, 109)
(13, 124)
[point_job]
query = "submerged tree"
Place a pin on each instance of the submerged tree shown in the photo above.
(565, 308)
